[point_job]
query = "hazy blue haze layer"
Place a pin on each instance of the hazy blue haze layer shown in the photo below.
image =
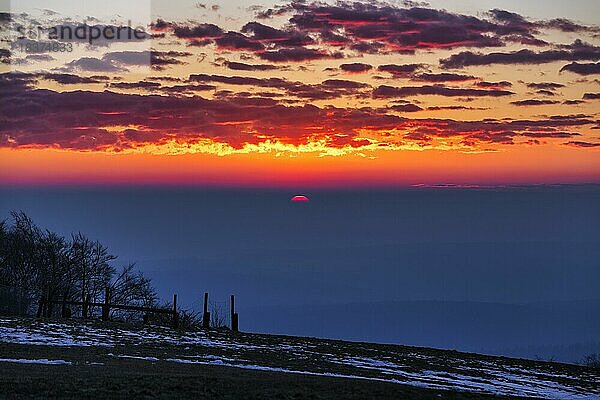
(513, 270)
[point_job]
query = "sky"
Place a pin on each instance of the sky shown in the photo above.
(302, 94)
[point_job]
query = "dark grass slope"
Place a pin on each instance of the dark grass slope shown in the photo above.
(139, 379)
(113, 360)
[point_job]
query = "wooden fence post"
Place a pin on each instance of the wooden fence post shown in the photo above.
(106, 307)
(235, 324)
(206, 315)
(234, 316)
(175, 315)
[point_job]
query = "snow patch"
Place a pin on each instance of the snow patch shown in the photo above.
(35, 361)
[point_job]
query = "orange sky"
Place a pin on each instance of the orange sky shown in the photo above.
(543, 165)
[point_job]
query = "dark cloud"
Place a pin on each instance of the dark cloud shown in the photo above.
(546, 92)
(406, 107)
(276, 37)
(118, 61)
(145, 85)
(61, 78)
(582, 69)
(93, 65)
(582, 144)
(512, 20)
(533, 102)
(39, 57)
(238, 66)
(573, 102)
(161, 25)
(158, 60)
(519, 29)
(439, 108)
(70, 79)
(515, 28)
(591, 96)
(372, 47)
(268, 43)
(328, 89)
(381, 27)
(86, 120)
(165, 78)
(356, 67)
(577, 51)
(566, 25)
(545, 85)
(200, 31)
(238, 41)
(239, 80)
(554, 134)
(397, 29)
(345, 84)
(401, 69)
(371, 28)
(186, 89)
(378, 28)
(5, 56)
(385, 91)
(443, 77)
(277, 11)
(494, 85)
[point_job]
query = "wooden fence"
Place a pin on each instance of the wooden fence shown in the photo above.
(46, 305)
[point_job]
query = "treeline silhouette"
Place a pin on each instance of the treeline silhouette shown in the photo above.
(37, 264)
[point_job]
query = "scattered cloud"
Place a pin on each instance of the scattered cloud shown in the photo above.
(582, 144)
(533, 102)
(582, 69)
(238, 66)
(356, 68)
(86, 121)
(577, 51)
(402, 69)
(545, 85)
(443, 77)
(385, 91)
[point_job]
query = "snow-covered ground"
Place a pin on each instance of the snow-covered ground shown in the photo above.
(35, 361)
(426, 368)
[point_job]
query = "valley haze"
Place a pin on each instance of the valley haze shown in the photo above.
(505, 270)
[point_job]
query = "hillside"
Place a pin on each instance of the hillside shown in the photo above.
(560, 331)
(88, 359)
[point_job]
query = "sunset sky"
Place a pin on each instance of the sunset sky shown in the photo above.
(299, 94)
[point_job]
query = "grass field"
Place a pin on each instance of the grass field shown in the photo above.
(50, 359)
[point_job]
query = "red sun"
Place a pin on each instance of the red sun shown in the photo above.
(299, 199)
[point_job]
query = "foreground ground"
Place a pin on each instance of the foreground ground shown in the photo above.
(46, 359)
